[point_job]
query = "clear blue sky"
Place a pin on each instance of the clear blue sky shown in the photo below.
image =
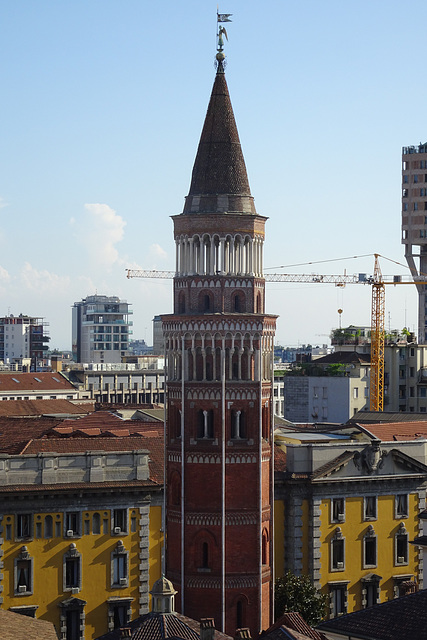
(102, 107)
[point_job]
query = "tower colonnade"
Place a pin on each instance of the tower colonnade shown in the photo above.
(215, 254)
(195, 356)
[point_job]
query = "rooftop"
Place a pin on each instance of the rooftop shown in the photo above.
(402, 619)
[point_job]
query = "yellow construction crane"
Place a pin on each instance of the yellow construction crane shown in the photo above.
(377, 281)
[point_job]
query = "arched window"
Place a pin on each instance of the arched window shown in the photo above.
(96, 523)
(205, 555)
(264, 547)
(48, 527)
(181, 304)
(239, 614)
(175, 489)
(205, 424)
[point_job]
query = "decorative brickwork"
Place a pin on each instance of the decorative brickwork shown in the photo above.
(219, 359)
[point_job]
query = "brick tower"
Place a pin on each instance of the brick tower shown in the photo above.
(219, 350)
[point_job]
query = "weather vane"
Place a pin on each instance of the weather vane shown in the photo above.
(221, 32)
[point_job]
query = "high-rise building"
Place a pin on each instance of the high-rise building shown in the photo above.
(219, 348)
(22, 337)
(100, 329)
(414, 224)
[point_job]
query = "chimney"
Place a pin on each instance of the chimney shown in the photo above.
(207, 629)
(125, 632)
(243, 633)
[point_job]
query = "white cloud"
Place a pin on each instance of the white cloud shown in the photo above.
(43, 281)
(3, 203)
(156, 251)
(4, 275)
(100, 231)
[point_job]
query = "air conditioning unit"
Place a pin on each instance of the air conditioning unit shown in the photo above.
(123, 581)
(70, 533)
(341, 517)
(22, 588)
(117, 530)
(400, 560)
(340, 565)
(75, 590)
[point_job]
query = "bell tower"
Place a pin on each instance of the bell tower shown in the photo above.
(219, 365)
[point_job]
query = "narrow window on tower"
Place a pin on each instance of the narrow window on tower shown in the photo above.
(264, 547)
(205, 428)
(205, 555)
(240, 614)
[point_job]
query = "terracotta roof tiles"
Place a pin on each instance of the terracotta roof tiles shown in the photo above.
(34, 382)
(15, 626)
(389, 431)
(35, 408)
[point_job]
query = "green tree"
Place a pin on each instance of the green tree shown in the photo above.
(298, 593)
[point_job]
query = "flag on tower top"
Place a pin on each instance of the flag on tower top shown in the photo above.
(224, 17)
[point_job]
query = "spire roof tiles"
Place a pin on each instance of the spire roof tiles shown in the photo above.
(219, 181)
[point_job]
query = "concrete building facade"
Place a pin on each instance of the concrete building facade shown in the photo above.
(100, 329)
(23, 337)
(414, 224)
(219, 350)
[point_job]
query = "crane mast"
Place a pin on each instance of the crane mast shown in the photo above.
(376, 387)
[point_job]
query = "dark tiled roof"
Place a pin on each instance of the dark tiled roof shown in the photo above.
(333, 465)
(219, 167)
(344, 357)
(402, 619)
(34, 382)
(15, 626)
(15, 433)
(377, 417)
(159, 626)
(291, 622)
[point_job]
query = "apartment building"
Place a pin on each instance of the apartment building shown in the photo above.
(80, 527)
(100, 329)
(414, 224)
(345, 514)
(22, 338)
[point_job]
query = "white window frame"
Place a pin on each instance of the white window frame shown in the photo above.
(366, 501)
(370, 535)
(23, 556)
(117, 529)
(72, 554)
(19, 526)
(398, 511)
(337, 538)
(114, 603)
(122, 581)
(333, 588)
(69, 530)
(338, 513)
(400, 561)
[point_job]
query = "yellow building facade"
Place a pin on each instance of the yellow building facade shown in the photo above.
(345, 516)
(81, 539)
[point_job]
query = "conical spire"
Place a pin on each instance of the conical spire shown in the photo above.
(219, 182)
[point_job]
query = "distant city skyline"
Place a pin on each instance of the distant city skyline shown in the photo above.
(102, 110)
